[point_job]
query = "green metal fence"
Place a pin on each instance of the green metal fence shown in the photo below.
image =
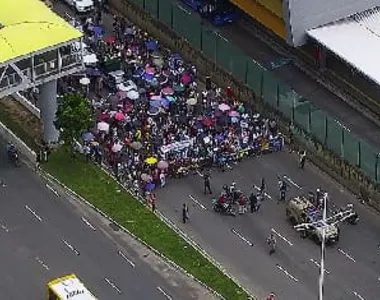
(296, 108)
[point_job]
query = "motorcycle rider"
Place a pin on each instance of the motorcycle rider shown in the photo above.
(11, 149)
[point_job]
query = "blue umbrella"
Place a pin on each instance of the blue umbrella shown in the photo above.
(234, 120)
(165, 103)
(148, 77)
(150, 187)
(153, 111)
(93, 72)
(220, 137)
(151, 45)
(98, 30)
(155, 103)
(88, 136)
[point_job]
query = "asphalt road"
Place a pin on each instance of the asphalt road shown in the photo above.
(36, 227)
(292, 272)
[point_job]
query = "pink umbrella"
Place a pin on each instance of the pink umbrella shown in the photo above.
(121, 95)
(150, 70)
(186, 79)
(156, 98)
(162, 165)
(168, 91)
(224, 107)
(234, 114)
(119, 116)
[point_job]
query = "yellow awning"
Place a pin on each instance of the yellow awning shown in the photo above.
(28, 26)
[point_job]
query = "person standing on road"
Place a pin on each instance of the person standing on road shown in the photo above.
(185, 213)
(271, 241)
(302, 159)
(253, 202)
(262, 186)
(207, 183)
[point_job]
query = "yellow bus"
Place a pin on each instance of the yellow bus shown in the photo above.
(68, 288)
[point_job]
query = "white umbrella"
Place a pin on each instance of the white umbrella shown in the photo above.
(117, 147)
(90, 59)
(224, 107)
(103, 126)
(133, 95)
(191, 101)
(85, 81)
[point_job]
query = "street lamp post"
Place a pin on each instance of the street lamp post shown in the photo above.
(337, 218)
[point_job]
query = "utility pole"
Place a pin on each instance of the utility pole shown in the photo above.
(335, 219)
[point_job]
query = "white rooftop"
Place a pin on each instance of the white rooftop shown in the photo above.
(72, 289)
(355, 39)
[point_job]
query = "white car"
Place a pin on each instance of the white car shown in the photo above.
(81, 6)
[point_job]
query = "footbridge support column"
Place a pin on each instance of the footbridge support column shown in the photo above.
(48, 106)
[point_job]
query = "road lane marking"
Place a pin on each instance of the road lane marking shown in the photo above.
(240, 236)
(33, 213)
(197, 202)
(282, 237)
(71, 247)
(85, 221)
(358, 295)
(40, 261)
(3, 227)
(114, 286)
(49, 187)
(292, 182)
(318, 265)
(126, 259)
(199, 173)
(161, 290)
(265, 194)
(346, 255)
(286, 273)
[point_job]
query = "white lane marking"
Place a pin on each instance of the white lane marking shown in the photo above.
(265, 194)
(49, 187)
(126, 259)
(358, 295)
(286, 273)
(85, 221)
(197, 202)
(239, 235)
(112, 285)
(292, 182)
(199, 173)
(71, 247)
(33, 213)
(3, 227)
(346, 255)
(40, 261)
(282, 237)
(161, 290)
(318, 265)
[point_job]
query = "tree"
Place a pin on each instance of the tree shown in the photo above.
(74, 116)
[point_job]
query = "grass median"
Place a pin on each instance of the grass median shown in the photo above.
(97, 187)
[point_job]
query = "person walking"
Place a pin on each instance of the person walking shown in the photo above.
(253, 202)
(207, 183)
(271, 241)
(302, 159)
(185, 213)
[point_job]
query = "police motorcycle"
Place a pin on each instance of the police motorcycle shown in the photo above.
(12, 154)
(351, 216)
(223, 206)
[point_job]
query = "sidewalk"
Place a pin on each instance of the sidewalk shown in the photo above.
(244, 37)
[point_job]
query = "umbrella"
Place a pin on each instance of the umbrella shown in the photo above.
(136, 145)
(103, 126)
(148, 77)
(133, 95)
(241, 109)
(167, 91)
(153, 111)
(117, 148)
(158, 62)
(234, 120)
(119, 116)
(178, 88)
(150, 71)
(88, 136)
(207, 122)
(162, 165)
(150, 187)
(234, 114)
(151, 45)
(156, 98)
(155, 103)
(186, 78)
(151, 160)
(110, 39)
(145, 177)
(93, 72)
(165, 103)
(171, 98)
(85, 81)
(191, 101)
(219, 137)
(98, 30)
(224, 107)
(90, 59)
(121, 95)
